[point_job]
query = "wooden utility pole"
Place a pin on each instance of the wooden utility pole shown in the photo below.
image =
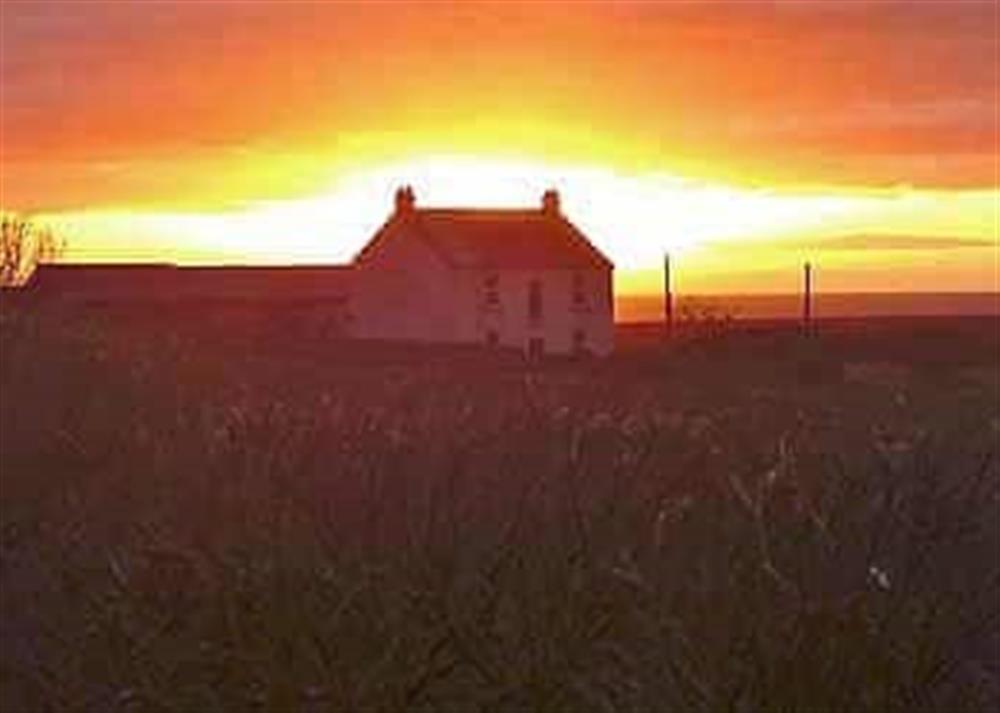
(668, 297)
(807, 297)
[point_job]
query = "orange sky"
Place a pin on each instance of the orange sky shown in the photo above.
(744, 136)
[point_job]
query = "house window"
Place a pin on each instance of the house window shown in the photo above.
(579, 295)
(491, 290)
(492, 338)
(535, 300)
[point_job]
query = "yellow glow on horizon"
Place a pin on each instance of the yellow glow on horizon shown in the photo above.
(634, 218)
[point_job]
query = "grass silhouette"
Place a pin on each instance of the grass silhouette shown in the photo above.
(243, 519)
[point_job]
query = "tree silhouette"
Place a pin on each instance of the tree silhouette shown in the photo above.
(23, 245)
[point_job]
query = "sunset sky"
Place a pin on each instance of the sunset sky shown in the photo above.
(745, 137)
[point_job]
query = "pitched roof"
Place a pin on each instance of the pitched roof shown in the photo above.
(167, 281)
(495, 238)
(86, 276)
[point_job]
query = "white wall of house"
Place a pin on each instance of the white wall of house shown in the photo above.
(407, 292)
(575, 309)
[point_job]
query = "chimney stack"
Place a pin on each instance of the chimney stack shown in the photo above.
(550, 202)
(405, 200)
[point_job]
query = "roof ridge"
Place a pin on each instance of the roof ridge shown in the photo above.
(469, 210)
(104, 265)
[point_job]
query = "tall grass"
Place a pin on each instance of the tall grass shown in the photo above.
(257, 527)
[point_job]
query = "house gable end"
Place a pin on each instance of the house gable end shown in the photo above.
(383, 245)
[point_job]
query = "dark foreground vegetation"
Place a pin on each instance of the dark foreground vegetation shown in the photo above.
(205, 514)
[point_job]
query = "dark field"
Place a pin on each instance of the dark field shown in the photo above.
(232, 513)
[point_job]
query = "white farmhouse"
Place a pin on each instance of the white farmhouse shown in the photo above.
(524, 278)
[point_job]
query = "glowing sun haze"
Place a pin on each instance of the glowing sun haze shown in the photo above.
(742, 136)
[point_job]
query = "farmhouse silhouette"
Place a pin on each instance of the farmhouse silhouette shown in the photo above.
(522, 278)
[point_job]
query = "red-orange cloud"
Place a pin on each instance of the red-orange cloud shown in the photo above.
(98, 95)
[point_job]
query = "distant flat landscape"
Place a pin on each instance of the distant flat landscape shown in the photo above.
(645, 308)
